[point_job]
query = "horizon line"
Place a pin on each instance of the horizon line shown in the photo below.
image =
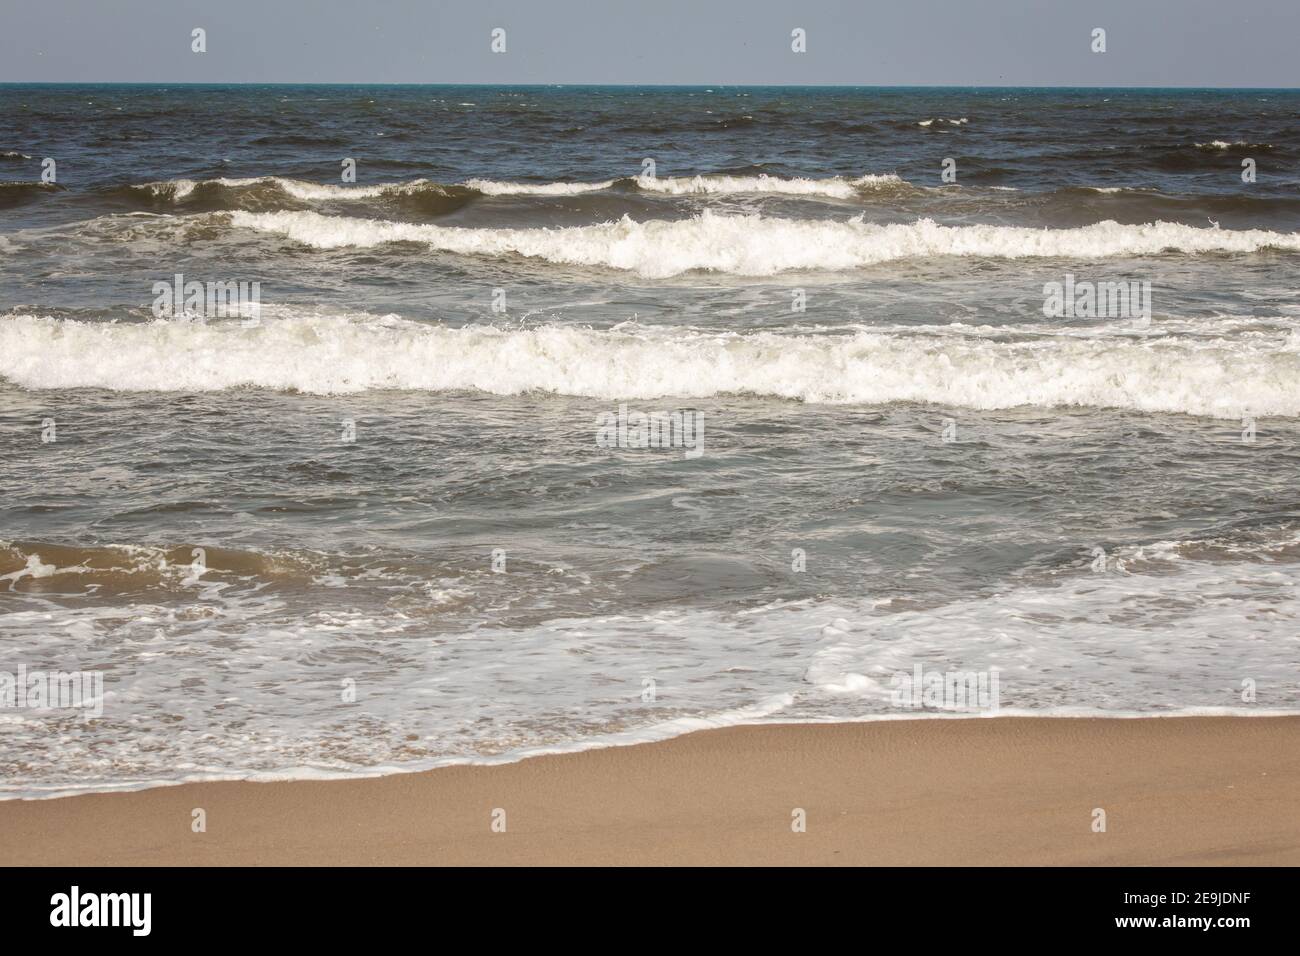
(757, 86)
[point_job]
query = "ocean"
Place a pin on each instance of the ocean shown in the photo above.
(584, 416)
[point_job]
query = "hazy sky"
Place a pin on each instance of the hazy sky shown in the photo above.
(869, 42)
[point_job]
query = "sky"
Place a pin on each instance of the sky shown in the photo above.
(1250, 43)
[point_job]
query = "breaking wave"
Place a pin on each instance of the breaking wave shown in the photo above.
(187, 191)
(832, 187)
(755, 245)
(274, 192)
(305, 352)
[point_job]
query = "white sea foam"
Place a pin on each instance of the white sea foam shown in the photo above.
(1169, 642)
(754, 245)
(181, 188)
(1219, 144)
(1221, 377)
(1089, 642)
(489, 187)
(834, 187)
(313, 191)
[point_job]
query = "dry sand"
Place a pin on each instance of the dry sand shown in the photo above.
(1194, 790)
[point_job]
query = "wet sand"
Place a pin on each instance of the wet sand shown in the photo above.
(1002, 791)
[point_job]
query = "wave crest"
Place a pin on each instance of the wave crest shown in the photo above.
(759, 246)
(340, 354)
(190, 191)
(261, 193)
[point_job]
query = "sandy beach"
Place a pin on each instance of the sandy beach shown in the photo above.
(1002, 791)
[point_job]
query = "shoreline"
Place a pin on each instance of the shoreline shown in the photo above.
(616, 740)
(1213, 790)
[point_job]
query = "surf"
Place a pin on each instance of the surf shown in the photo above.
(340, 354)
(756, 245)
